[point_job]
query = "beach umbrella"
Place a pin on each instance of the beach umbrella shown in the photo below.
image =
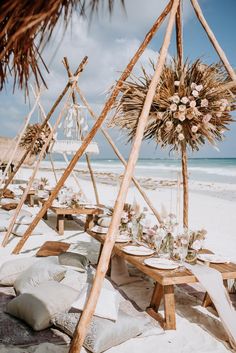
(25, 28)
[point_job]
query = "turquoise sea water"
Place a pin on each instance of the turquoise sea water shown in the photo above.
(203, 169)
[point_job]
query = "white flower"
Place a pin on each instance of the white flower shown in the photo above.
(219, 115)
(169, 124)
(176, 115)
(178, 128)
(184, 100)
(199, 88)
(181, 117)
(177, 83)
(204, 103)
(175, 98)
(173, 107)
(224, 101)
(193, 85)
(206, 118)
(159, 115)
(182, 107)
(194, 128)
(197, 245)
(195, 93)
(181, 137)
(193, 104)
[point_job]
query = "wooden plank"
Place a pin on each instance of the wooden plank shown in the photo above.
(156, 296)
(52, 248)
(169, 307)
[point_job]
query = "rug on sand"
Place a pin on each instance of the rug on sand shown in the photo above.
(15, 332)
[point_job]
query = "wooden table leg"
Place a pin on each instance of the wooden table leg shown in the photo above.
(168, 322)
(31, 200)
(89, 222)
(169, 307)
(60, 224)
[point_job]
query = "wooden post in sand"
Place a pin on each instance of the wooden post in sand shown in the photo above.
(80, 69)
(95, 127)
(66, 64)
(90, 306)
(119, 155)
(40, 157)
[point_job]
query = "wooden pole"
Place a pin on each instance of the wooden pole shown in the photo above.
(179, 35)
(66, 64)
(90, 306)
(213, 39)
(79, 70)
(18, 142)
(95, 128)
(53, 168)
(185, 184)
(119, 155)
(40, 157)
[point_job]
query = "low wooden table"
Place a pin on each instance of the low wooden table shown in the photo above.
(165, 281)
(63, 213)
(30, 196)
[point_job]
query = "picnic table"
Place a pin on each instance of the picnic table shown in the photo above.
(165, 281)
(30, 196)
(66, 212)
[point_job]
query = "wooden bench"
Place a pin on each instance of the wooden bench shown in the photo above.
(165, 281)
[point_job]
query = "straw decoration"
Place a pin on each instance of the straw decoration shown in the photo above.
(30, 134)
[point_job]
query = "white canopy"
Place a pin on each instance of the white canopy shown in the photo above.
(72, 146)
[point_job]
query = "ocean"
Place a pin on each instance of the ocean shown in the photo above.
(221, 170)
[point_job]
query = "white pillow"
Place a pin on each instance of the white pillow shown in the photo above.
(4, 213)
(11, 269)
(21, 213)
(37, 273)
(107, 305)
(5, 201)
(24, 220)
(4, 223)
(20, 229)
(38, 307)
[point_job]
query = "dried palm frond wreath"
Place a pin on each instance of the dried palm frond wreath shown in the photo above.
(191, 105)
(29, 135)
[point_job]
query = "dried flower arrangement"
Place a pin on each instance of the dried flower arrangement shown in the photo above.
(191, 105)
(42, 183)
(29, 135)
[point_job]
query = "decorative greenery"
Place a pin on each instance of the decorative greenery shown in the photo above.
(191, 105)
(29, 135)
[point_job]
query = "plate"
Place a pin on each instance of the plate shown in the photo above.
(99, 230)
(137, 250)
(122, 238)
(162, 264)
(215, 259)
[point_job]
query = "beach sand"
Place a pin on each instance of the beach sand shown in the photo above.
(198, 330)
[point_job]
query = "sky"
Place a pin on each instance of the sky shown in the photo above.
(110, 42)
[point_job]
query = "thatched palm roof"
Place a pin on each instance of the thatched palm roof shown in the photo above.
(7, 146)
(25, 27)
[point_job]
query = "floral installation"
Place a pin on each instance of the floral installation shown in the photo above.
(191, 105)
(29, 135)
(196, 239)
(42, 183)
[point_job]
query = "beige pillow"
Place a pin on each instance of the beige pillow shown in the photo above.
(38, 307)
(78, 261)
(20, 229)
(37, 273)
(11, 269)
(104, 222)
(102, 334)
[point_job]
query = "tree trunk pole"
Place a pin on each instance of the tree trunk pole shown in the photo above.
(213, 39)
(185, 184)
(121, 158)
(66, 64)
(95, 127)
(79, 70)
(40, 157)
(90, 306)
(179, 34)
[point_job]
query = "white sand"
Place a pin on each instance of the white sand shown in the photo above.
(198, 330)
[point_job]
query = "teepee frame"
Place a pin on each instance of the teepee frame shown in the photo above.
(175, 17)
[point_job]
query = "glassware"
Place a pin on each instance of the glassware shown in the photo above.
(135, 230)
(180, 248)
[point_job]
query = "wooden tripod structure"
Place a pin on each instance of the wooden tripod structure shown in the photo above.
(175, 17)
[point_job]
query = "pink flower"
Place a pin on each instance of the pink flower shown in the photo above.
(193, 104)
(177, 83)
(182, 107)
(169, 124)
(181, 117)
(181, 137)
(178, 128)
(175, 98)
(206, 118)
(184, 100)
(193, 85)
(173, 107)
(199, 88)
(194, 128)
(195, 93)
(204, 103)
